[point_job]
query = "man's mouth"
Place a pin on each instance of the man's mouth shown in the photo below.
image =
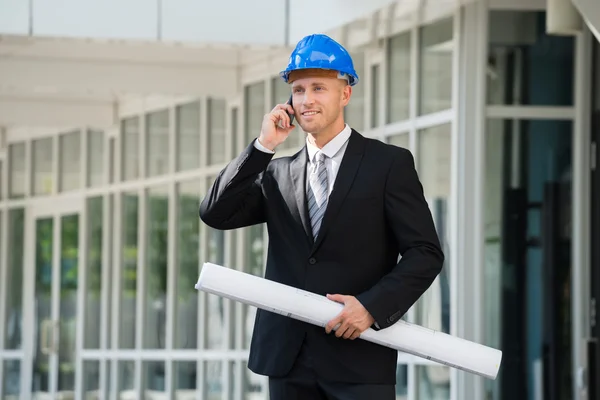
(308, 113)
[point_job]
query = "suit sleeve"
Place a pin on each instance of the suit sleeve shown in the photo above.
(235, 199)
(411, 222)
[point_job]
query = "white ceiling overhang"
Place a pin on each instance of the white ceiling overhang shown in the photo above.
(45, 81)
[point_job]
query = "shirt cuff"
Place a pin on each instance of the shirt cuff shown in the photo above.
(262, 148)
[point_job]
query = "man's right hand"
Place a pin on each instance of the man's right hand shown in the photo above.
(276, 126)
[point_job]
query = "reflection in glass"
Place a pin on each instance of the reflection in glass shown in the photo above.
(13, 324)
(433, 382)
(44, 328)
(154, 379)
(157, 215)
(254, 99)
(127, 307)
(213, 380)
(436, 47)
(70, 161)
(95, 157)
(188, 244)
(130, 150)
(11, 381)
(69, 266)
(216, 130)
(157, 142)
(93, 289)
(91, 380)
(398, 90)
(435, 171)
(188, 136)
(401, 140)
(42, 156)
(527, 270)
(16, 170)
(185, 379)
(402, 382)
(254, 263)
(523, 58)
(354, 113)
(126, 380)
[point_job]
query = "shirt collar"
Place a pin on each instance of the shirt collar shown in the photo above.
(331, 148)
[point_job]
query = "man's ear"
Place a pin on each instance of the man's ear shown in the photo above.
(346, 94)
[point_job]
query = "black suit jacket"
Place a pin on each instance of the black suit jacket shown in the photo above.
(375, 213)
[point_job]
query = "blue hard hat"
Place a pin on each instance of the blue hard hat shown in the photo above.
(322, 52)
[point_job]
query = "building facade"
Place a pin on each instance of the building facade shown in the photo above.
(101, 244)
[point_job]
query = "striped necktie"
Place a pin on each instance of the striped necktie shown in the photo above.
(317, 193)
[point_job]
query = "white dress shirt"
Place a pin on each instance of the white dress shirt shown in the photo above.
(334, 150)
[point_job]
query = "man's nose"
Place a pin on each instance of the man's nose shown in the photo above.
(308, 98)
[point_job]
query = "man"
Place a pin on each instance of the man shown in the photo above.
(339, 213)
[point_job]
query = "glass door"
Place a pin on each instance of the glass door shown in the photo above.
(51, 268)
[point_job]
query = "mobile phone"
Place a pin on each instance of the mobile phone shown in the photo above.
(288, 113)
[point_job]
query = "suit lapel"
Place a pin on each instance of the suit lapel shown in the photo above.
(343, 183)
(296, 198)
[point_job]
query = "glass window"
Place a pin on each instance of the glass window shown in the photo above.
(253, 386)
(433, 382)
(523, 59)
(13, 324)
(130, 153)
(185, 379)
(69, 270)
(375, 104)
(254, 100)
(43, 170)
(129, 264)
(401, 140)
(17, 170)
(11, 381)
(93, 287)
(216, 130)
(254, 265)
(188, 266)
(70, 161)
(398, 77)
(436, 47)
(527, 270)
(213, 380)
(154, 378)
(91, 379)
(234, 131)
(157, 215)
(95, 151)
(215, 313)
(188, 136)
(354, 113)
(402, 382)
(157, 128)
(112, 170)
(126, 379)
(433, 308)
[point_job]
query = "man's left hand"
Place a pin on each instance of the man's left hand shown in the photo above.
(353, 320)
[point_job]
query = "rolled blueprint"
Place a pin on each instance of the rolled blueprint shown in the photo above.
(318, 310)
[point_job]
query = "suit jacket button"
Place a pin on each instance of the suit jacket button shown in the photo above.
(312, 261)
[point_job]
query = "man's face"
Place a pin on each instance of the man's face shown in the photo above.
(319, 100)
